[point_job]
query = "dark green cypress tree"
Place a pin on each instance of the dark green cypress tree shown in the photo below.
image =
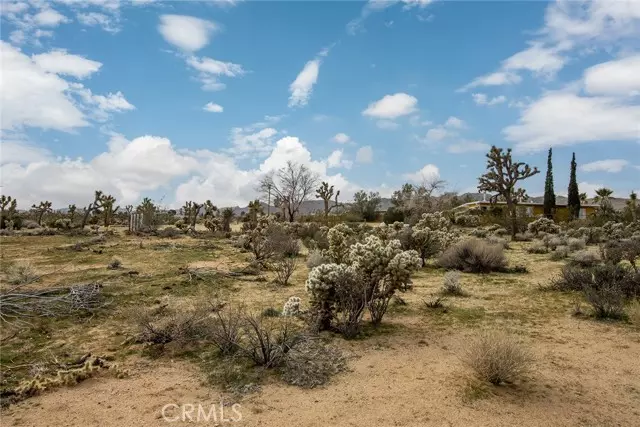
(549, 194)
(573, 196)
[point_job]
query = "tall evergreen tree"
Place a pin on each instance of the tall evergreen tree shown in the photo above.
(573, 196)
(549, 194)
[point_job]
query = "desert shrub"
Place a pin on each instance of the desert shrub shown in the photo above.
(436, 303)
(560, 253)
(497, 358)
(543, 224)
(271, 312)
(315, 259)
(552, 242)
(169, 232)
(574, 278)
(21, 274)
(615, 251)
(311, 363)
(291, 307)
(114, 264)
(473, 256)
(537, 247)
(62, 224)
(606, 298)
(495, 240)
(479, 232)
(592, 235)
(575, 244)
(523, 237)
(614, 230)
(267, 343)
(30, 224)
(633, 312)
(466, 220)
(392, 215)
(451, 284)
(162, 328)
(284, 268)
(584, 258)
(501, 231)
(225, 331)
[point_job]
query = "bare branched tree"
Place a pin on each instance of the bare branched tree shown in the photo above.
(501, 178)
(292, 185)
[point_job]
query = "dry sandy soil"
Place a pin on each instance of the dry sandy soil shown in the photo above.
(586, 372)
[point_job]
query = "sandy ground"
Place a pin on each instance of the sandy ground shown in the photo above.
(586, 373)
(399, 381)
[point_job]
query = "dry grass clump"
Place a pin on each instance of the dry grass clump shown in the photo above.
(114, 264)
(21, 274)
(451, 284)
(474, 256)
(497, 358)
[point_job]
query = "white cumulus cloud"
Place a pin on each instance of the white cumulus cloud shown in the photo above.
(392, 106)
(186, 32)
(213, 108)
(609, 165)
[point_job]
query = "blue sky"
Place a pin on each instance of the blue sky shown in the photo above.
(112, 95)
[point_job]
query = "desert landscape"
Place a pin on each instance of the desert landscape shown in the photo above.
(444, 317)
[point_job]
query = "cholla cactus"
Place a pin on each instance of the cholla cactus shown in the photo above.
(340, 239)
(384, 268)
(291, 307)
(322, 284)
(434, 221)
(544, 225)
(615, 230)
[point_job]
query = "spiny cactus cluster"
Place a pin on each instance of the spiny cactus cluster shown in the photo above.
(543, 225)
(369, 275)
(340, 238)
(291, 307)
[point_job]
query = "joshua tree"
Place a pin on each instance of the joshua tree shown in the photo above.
(209, 209)
(8, 207)
(549, 194)
(293, 184)
(148, 210)
(72, 212)
(227, 217)
(94, 206)
(191, 211)
(107, 203)
(502, 176)
(326, 193)
(255, 209)
(41, 209)
(573, 196)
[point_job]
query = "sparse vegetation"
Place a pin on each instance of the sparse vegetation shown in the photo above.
(474, 256)
(497, 358)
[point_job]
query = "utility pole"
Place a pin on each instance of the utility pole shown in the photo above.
(269, 200)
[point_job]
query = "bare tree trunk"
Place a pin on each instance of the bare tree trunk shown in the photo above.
(85, 218)
(513, 212)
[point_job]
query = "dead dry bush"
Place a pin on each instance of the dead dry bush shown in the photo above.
(474, 256)
(311, 363)
(497, 358)
(284, 268)
(163, 326)
(266, 343)
(225, 331)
